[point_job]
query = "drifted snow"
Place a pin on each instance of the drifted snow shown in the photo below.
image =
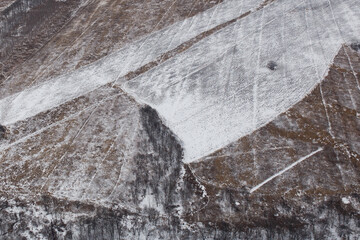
(220, 89)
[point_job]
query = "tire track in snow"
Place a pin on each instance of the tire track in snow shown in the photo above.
(255, 94)
(317, 74)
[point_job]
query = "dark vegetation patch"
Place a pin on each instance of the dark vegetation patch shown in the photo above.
(272, 65)
(2, 132)
(355, 46)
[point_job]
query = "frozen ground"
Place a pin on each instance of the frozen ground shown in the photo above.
(220, 89)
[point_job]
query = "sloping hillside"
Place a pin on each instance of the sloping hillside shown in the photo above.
(179, 119)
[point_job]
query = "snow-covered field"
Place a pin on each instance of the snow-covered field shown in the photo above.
(113, 67)
(220, 89)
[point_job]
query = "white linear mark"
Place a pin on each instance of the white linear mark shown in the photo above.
(284, 170)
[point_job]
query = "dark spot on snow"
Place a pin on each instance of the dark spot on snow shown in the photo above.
(2, 132)
(272, 65)
(355, 46)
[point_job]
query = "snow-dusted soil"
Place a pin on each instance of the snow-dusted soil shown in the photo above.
(306, 157)
(84, 156)
(220, 89)
(63, 36)
(92, 155)
(54, 92)
(5, 3)
(93, 174)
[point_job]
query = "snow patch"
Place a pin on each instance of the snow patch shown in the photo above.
(345, 200)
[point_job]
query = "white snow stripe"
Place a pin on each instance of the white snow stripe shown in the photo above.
(284, 170)
(113, 67)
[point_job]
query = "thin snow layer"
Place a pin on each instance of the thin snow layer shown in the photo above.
(111, 68)
(221, 89)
